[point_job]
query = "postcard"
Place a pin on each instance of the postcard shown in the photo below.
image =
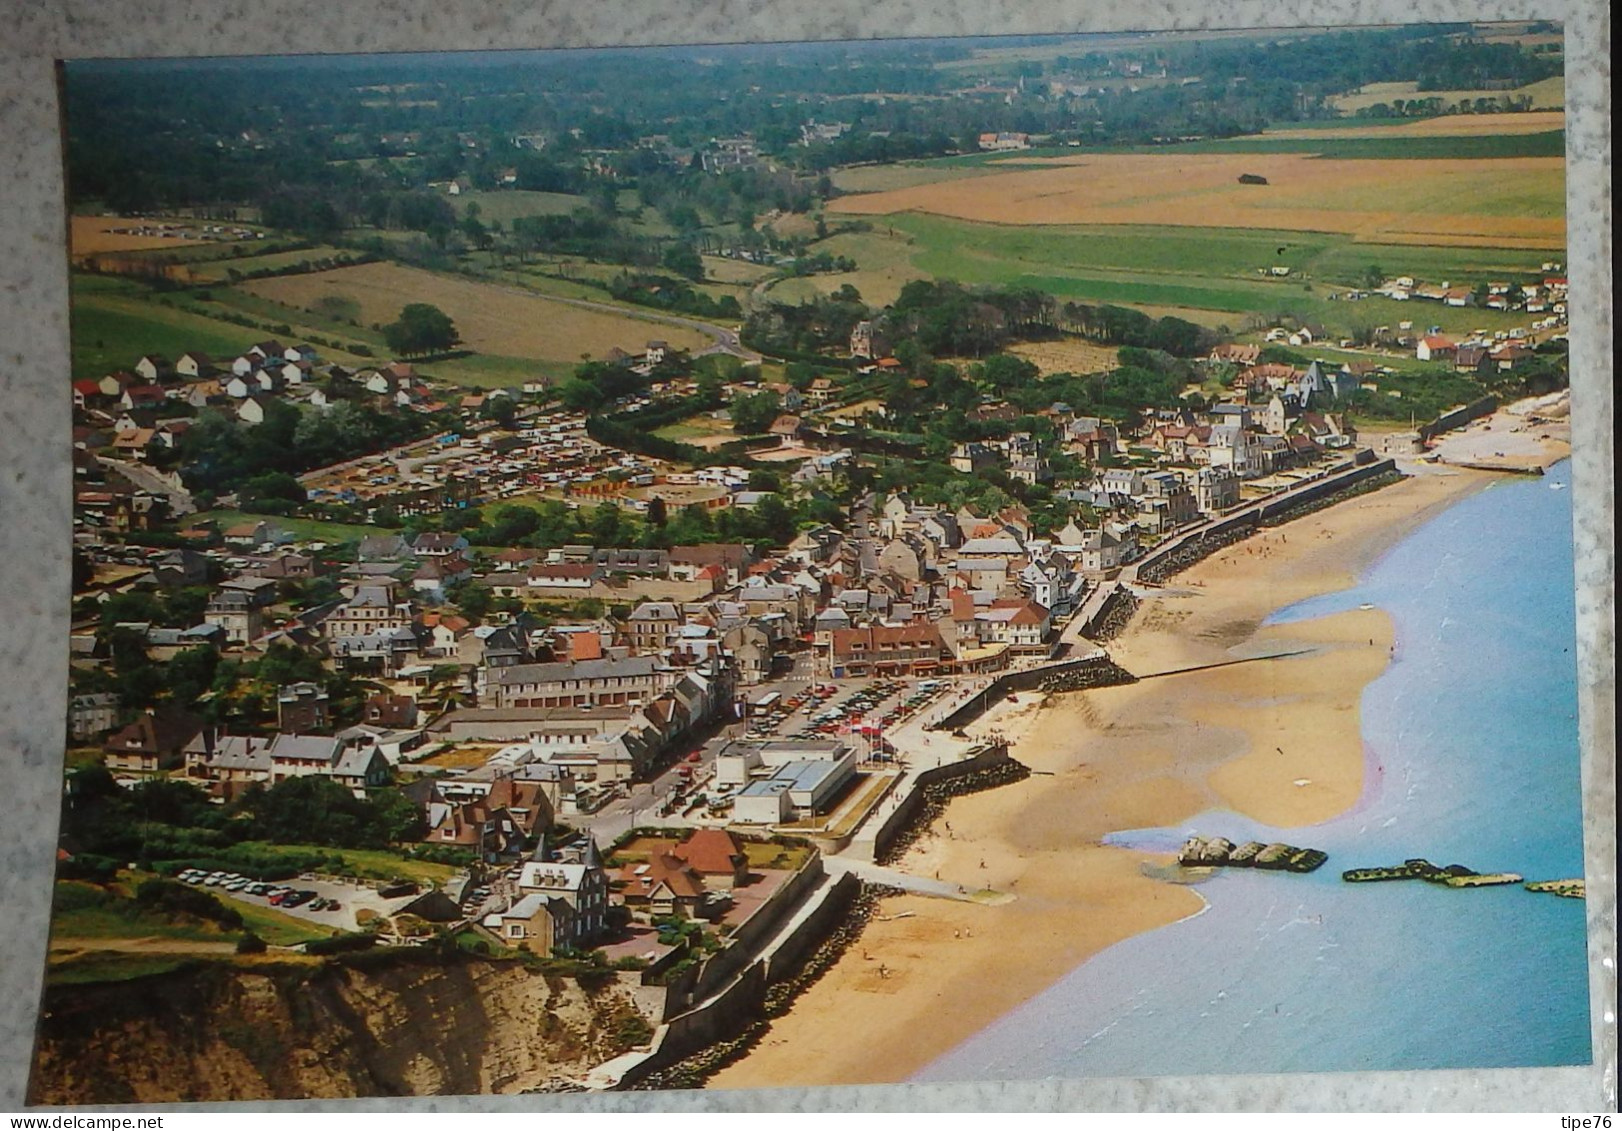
(796, 564)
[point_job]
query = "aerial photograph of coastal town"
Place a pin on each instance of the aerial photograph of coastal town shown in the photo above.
(811, 564)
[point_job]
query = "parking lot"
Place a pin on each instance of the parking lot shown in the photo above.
(330, 903)
(861, 709)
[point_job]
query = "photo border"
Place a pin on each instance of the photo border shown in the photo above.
(36, 495)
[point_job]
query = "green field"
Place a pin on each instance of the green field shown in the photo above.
(1209, 269)
(508, 205)
(114, 322)
(214, 269)
(308, 529)
(113, 966)
(491, 371)
(273, 926)
(85, 911)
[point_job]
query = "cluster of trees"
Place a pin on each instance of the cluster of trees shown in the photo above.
(598, 383)
(685, 197)
(241, 694)
(552, 523)
(753, 413)
(947, 319)
(422, 328)
(665, 293)
(168, 820)
(800, 332)
(220, 453)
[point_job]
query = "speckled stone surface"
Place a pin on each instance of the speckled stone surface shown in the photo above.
(35, 478)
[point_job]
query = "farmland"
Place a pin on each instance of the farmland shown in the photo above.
(1546, 94)
(508, 205)
(1210, 276)
(114, 322)
(94, 235)
(886, 178)
(1070, 355)
(220, 268)
(1371, 200)
(884, 264)
(701, 431)
(1451, 125)
(491, 319)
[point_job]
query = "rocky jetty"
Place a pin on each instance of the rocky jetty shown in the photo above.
(1085, 676)
(1571, 889)
(1453, 875)
(1219, 852)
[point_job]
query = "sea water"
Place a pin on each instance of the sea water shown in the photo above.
(1471, 746)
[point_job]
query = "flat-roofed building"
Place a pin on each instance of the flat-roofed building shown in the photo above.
(795, 790)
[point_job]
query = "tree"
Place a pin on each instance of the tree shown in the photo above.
(682, 259)
(753, 413)
(500, 409)
(658, 511)
(473, 600)
(421, 328)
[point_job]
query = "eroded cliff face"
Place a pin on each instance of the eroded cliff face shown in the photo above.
(240, 1033)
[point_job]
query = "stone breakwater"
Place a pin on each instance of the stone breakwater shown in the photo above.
(1308, 506)
(1203, 546)
(937, 794)
(1571, 889)
(1101, 673)
(1192, 551)
(1219, 852)
(694, 1070)
(1418, 868)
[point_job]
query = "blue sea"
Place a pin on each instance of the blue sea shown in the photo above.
(1471, 742)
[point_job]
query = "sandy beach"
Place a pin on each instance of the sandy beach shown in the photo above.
(1277, 739)
(1510, 439)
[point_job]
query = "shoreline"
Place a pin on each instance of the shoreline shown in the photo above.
(1278, 741)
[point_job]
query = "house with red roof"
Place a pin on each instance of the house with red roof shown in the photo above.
(1435, 347)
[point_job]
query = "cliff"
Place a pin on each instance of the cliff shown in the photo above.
(220, 1032)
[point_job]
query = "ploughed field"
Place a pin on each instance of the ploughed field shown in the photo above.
(1515, 202)
(490, 319)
